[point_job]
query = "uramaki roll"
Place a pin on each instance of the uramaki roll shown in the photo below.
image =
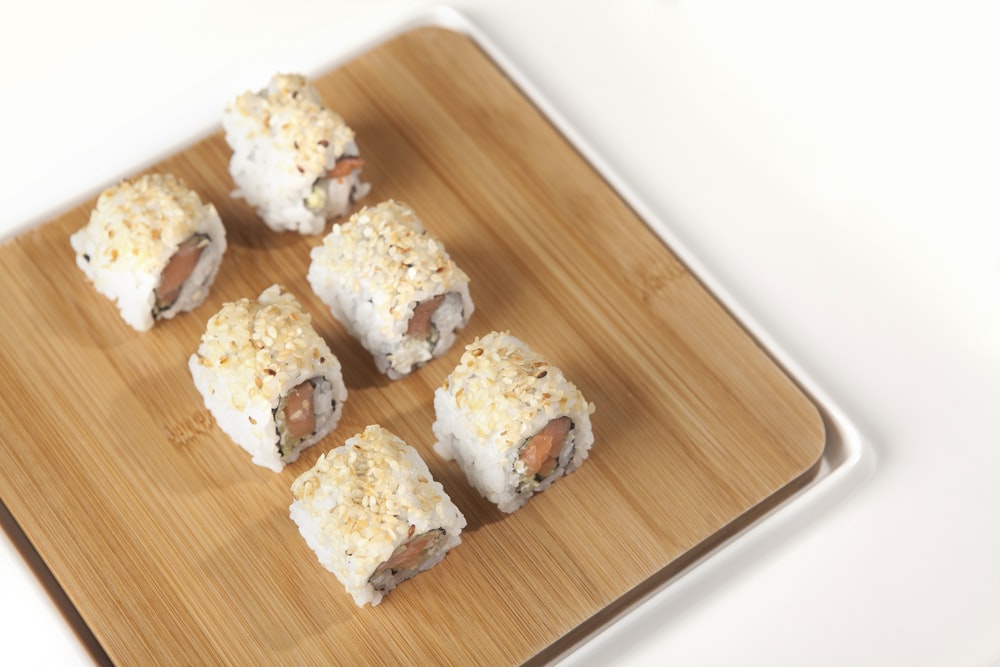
(152, 247)
(393, 286)
(271, 382)
(511, 420)
(294, 160)
(373, 515)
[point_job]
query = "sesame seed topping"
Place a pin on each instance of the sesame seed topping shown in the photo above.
(385, 251)
(375, 488)
(290, 113)
(261, 343)
(142, 221)
(506, 385)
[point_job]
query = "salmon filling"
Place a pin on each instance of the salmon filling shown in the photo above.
(295, 418)
(300, 417)
(406, 560)
(540, 454)
(420, 325)
(344, 166)
(180, 267)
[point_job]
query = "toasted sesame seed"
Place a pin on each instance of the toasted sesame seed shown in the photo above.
(318, 135)
(228, 343)
(385, 250)
(504, 385)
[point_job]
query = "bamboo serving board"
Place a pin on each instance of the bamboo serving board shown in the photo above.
(176, 549)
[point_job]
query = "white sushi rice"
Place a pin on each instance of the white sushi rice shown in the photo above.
(373, 271)
(500, 394)
(284, 142)
(365, 500)
(133, 232)
(253, 352)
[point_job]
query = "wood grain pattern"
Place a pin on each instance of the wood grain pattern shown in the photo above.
(173, 545)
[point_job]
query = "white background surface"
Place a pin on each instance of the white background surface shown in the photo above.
(832, 168)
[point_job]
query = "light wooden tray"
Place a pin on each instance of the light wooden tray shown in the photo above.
(174, 547)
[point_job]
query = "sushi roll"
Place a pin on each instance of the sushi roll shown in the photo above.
(269, 380)
(373, 514)
(152, 247)
(511, 420)
(294, 160)
(392, 285)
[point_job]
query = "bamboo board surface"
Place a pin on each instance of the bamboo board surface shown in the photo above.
(174, 547)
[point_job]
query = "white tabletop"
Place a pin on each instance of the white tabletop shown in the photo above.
(830, 169)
